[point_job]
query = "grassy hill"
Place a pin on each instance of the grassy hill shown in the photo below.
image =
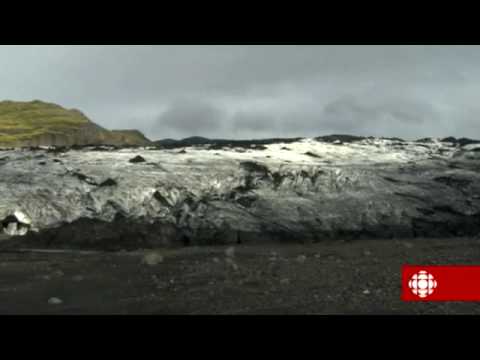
(39, 123)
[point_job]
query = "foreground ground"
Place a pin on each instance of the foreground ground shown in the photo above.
(361, 277)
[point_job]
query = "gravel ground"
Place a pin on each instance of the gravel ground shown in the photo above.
(360, 277)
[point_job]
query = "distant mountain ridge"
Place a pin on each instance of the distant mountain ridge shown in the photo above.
(198, 140)
(37, 123)
(335, 138)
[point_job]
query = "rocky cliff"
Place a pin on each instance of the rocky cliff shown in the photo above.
(36, 123)
(300, 191)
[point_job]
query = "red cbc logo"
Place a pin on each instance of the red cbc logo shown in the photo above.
(422, 284)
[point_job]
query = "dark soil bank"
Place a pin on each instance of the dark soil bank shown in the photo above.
(360, 277)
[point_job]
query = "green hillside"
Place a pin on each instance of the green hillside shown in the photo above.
(22, 121)
(38, 123)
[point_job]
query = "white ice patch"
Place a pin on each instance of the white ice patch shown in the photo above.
(22, 217)
(471, 147)
(13, 229)
(16, 224)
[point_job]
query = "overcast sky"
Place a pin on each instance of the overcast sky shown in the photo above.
(255, 91)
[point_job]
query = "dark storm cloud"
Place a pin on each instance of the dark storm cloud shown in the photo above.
(192, 117)
(376, 119)
(351, 110)
(298, 90)
(248, 124)
(348, 114)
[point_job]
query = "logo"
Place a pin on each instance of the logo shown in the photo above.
(422, 284)
(440, 283)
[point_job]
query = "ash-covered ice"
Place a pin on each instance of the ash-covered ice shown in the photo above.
(357, 188)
